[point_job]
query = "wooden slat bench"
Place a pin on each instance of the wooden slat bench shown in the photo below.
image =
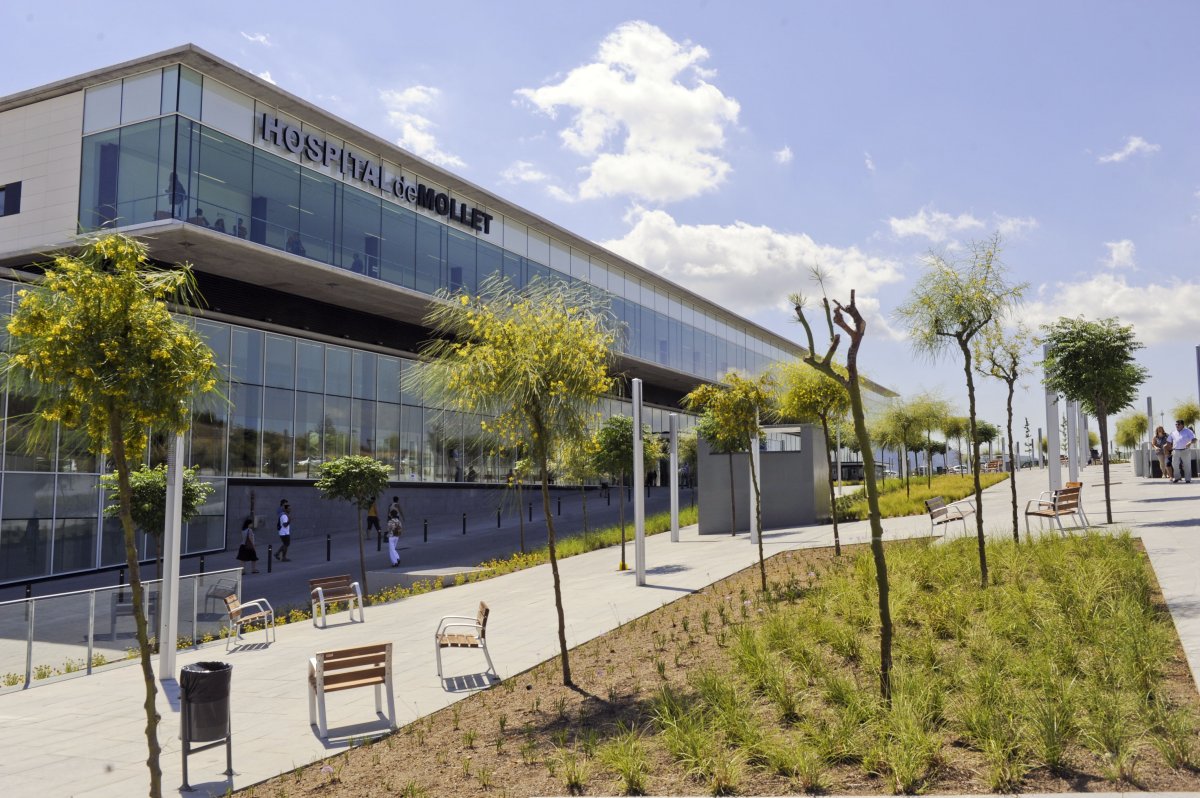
(941, 513)
(1062, 502)
(345, 669)
(476, 637)
(330, 589)
(240, 614)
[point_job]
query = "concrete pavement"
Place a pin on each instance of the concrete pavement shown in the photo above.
(84, 736)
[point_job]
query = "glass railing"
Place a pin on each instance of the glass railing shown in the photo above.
(47, 637)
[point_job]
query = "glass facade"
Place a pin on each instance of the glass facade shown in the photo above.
(178, 165)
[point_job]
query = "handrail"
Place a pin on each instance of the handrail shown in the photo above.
(151, 586)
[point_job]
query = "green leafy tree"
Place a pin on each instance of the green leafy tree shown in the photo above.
(575, 461)
(536, 362)
(1186, 411)
(901, 425)
(688, 455)
(359, 480)
(736, 407)
(957, 427)
(97, 348)
(148, 487)
(1006, 357)
(1132, 430)
(613, 455)
(806, 394)
(930, 413)
(1092, 362)
(952, 303)
(721, 441)
(850, 321)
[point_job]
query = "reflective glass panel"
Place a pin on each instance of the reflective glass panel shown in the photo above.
(275, 206)
(397, 264)
(278, 426)
(245, 433)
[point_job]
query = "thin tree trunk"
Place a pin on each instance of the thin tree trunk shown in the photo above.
(125, 492)
(975, 450)
(762, 561)
(837, 543)
(1102, 419)
(907, 474)
(362, 556)
(558, 601)
(1013, 472)
(732, 499)
(928, 459)
(520, 513)
(583, 500)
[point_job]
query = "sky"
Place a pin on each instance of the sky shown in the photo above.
(733, 147)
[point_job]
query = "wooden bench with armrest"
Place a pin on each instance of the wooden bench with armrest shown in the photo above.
(242, 613)
(332, 589)
(346, 669)
(941, 513)
(463, 631)
(1060, 503)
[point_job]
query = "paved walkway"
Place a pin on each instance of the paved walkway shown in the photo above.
(84, 736)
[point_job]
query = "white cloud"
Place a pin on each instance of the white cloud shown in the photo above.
(1107, 295)
(1015, 226)
(784, 155)
(1120, 255)
(416, 130)
(523, 172)
(1133, 146)
(266, 75)
(750, 268)
(869, 162)
(645, 115)
(936, 226)
(257, 38)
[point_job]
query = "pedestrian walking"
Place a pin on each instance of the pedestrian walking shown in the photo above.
(1181, 440)
(395, 527)
(373, 518)
(247, 552)
(285, 532)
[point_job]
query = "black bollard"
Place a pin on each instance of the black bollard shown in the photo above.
(121, 583)
(328, 547)
(425, 532)
(378, 540)
(608, 498)
(464, 523)
(270, 557)
(201, 564)
(29, 590)
(531, 511)
(560, 505)
(497, 519)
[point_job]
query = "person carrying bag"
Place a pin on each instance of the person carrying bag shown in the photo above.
(395, 527)
(247, 553)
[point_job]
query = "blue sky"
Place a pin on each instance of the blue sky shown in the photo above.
(731, 147)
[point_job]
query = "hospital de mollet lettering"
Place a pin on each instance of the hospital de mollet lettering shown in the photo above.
(321, 151)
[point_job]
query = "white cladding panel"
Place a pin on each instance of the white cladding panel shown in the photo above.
(40, 147)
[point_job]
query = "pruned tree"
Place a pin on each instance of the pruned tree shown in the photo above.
(537, 362)
(957, 427)
(1005, 356)
(805, 394)
(850, 321)
(613, 455)
(721, 441)
(901, 425)
(98, 349)
(575, 460)
(148, 487)
(736, 407)
(1091, 362)
(952, 303)
(359, 480)
(929, 412)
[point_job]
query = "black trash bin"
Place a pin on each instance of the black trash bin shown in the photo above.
(204, 710)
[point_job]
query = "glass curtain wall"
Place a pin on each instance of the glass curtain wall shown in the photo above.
(174, 167)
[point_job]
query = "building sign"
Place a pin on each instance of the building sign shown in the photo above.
(318, 150)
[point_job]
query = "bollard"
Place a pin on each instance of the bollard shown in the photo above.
(497, 519)
(378, 540)
(531, 511)
(328, 547)
(121, 583)
(270, 557)
(201, 564)
(560, 505)
(29, 590)
(425, 532)
(608, 498)
(464, 523)
(629, 493)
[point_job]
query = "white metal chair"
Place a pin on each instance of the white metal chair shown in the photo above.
(461, 638)
(241, 614)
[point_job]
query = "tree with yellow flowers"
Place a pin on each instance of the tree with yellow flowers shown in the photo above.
(736, 408)
(97, 348)
(806, 394)
(536, 361)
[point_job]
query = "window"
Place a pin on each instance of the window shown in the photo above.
(10, 199)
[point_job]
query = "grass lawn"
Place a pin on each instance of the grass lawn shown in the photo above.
(894, 503)
(1064, 675)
